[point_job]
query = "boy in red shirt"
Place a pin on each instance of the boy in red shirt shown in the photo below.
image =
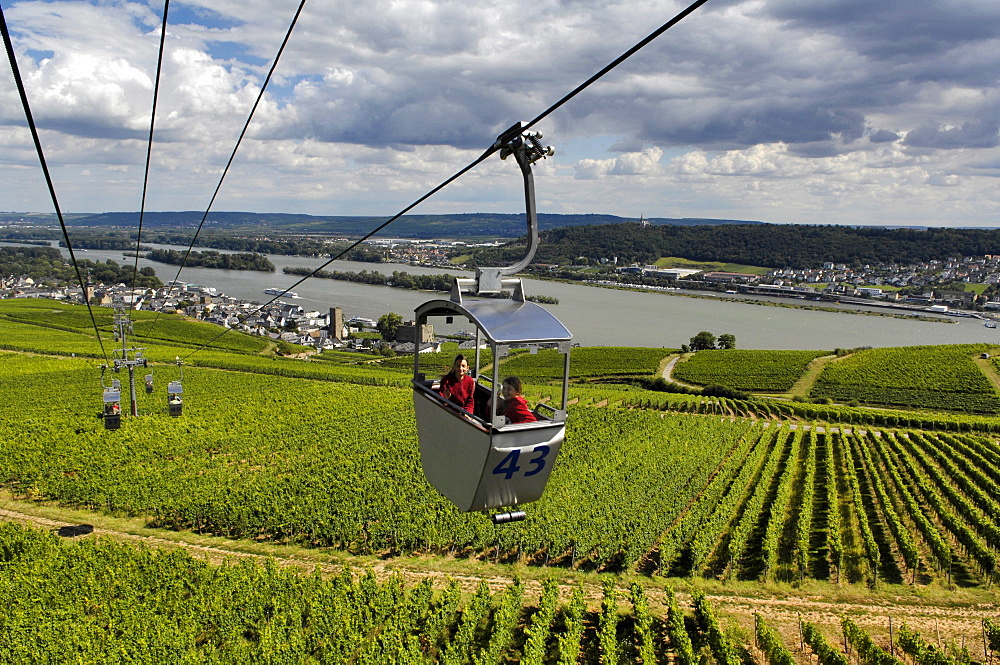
(512, 405)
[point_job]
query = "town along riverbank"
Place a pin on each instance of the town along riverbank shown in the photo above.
(601, 316)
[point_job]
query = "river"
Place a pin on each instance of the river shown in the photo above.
(596, 316)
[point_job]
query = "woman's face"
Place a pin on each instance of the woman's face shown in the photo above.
(461, 367)
(507, 391)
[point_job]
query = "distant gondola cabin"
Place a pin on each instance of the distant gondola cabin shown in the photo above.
(112, 408)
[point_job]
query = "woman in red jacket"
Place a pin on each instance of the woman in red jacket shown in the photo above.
(457, 386)
(513, 405)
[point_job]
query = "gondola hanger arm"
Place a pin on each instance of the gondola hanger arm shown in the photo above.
(527, 149)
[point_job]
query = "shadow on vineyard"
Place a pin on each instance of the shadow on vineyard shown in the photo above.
(819, 566)
(681, 567)
(888, 570)
(787, 540)
(963, 575)
(753, 563)
(723, 562)
(75, 530)
(849, 566)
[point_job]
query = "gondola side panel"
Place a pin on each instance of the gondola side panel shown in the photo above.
(519, 464)
(453, 451)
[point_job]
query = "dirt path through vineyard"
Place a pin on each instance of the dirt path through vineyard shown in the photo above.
(668, 371)
(805, 383)
(959, 621)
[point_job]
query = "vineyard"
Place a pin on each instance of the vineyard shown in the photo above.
(648, 486)
(927, 377)
(97, 600)
(677, 494)
(589, 362)
(749, 371)
(786, 411)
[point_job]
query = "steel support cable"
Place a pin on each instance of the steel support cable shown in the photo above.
(8, 44)
(232, 156)
(149, 148)
(617, 61)
(482, 158)
(488, 152)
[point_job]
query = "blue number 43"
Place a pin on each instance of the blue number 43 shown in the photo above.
(508, 465)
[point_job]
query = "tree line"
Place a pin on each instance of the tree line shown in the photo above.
(706, 340)
(281, 246)
(46, 265)
(126, 240)
(768, 245)
(403, 280)
(213, 259)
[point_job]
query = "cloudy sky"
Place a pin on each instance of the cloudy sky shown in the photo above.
(789, 111)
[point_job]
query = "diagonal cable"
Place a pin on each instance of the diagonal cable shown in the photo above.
(232, 156)
(509, 133)
(48, 178)
(617, 61)
(381, 226)
(149, 148)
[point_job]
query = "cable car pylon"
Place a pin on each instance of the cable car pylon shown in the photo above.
(125, 357)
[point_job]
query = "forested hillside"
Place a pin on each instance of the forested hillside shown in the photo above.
(408, 226)
(770, 245)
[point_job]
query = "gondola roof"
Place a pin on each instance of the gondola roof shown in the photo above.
(503, 321)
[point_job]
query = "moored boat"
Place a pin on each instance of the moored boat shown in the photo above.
(281, 292)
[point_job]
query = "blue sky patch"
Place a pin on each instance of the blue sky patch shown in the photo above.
(185, 14)
(38, 55)
(229, 50)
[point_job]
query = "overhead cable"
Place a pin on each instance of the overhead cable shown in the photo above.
(617, 61)
(486, 154)
(149, 146)
(355, 244)
(45, 169)
(232, 156)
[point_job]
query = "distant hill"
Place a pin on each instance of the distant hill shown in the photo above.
(595, 237)
(768, 245)
(408, 226)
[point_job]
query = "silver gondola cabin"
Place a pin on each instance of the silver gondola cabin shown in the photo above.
(478, 460)
(112, 406)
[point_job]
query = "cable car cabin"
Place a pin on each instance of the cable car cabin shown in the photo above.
(479, 460)
(112, 408)
(149, 384)
(175, 404)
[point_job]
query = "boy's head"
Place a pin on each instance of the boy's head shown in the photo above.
(513, 384)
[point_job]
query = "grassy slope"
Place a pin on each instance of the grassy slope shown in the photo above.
(707, 266)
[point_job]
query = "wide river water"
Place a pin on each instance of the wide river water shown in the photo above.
(596, 316)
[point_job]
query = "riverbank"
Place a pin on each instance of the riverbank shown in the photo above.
(609, 316)
(441, 283)
(436, 283)
(750, 301)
